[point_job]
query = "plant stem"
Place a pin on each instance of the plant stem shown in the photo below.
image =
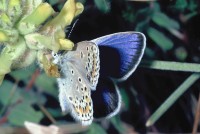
(171, 66)
(172, 98)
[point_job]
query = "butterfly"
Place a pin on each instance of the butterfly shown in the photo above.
(88, 73)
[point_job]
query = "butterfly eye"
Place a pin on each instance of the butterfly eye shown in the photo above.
(54, 54)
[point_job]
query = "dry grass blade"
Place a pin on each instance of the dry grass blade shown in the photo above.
(13, 130)
(34, 128)
(197, 118)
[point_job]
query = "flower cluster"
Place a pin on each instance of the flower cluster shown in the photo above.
(31, 29)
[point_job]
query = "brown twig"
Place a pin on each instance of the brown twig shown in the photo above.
(49, 116)
(3, 120)
(33, 78)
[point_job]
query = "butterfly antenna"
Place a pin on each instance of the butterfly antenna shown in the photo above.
(72, 28)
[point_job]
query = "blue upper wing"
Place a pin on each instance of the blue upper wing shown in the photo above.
(106, 99)
(120, 53)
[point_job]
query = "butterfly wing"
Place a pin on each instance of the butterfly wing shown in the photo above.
(86, 58)
(120, 53)
(79, 70)
(106, 99)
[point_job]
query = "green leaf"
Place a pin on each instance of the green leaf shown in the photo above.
(143, 25)
(102, 5)
(6, 94)
(125, 98)
(32, 97)
(117, 124)
(96, 129)
(48, 84)
(156, 7)
(160, 39)
(54, 112)
(193, 5)
(164, 21)
(190, 15)
(53, 2)
(24, 112)
(23, 74)
(142, 18)
(128, 14)
(149, 52)
(181, 5)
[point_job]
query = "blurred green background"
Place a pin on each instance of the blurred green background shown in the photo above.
(172, 29)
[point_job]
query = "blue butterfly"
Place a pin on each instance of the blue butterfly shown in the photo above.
(86, 87)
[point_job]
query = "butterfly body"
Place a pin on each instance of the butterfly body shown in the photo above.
(85, 87)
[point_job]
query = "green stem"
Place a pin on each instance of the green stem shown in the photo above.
(172, 98)
(9, 54)
(171, 66)
(36, 18)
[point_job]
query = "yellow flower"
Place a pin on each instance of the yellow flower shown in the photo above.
(32, 29)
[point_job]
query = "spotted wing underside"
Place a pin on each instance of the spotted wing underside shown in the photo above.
(79, 75)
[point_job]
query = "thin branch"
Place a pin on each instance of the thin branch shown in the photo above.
(45, 111)
(33, 78)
